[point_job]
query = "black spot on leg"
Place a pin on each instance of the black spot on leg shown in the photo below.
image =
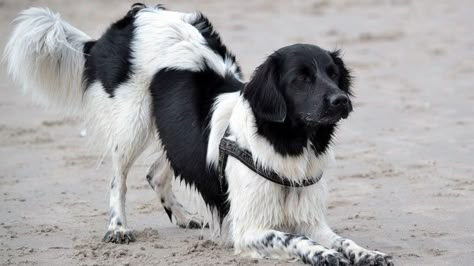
(351, 255)
(268, 239)
(169, 213)
(119, 223)
(162, 200)
(317, 253)
(113, 183)
(304, 257)
(148, 178)
(116, 148)
(289, 237)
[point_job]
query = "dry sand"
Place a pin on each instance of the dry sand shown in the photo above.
(404, 179)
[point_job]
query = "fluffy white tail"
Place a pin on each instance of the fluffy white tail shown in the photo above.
(45, 57)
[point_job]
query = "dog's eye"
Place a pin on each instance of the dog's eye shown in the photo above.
(303, 78)
(332, 73)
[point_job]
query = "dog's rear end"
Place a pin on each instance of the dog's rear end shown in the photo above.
(65, 69)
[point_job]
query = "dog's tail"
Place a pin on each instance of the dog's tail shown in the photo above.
(45, 56)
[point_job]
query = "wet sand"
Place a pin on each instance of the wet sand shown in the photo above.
(403, 184)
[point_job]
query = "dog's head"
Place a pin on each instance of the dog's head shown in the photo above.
(303, 84)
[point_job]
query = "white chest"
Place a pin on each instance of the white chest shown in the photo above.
(259, 203)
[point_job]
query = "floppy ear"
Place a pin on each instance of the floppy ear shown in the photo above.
(345, 77)
(263, 91)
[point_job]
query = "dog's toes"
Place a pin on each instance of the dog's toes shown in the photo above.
(194, 224)
(327, 258)
(119, 237)
(130, 236)
(108, 236)
(375, 258)
(135, 8)
(138, 6)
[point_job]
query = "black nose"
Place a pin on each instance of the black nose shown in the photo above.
(338, 100)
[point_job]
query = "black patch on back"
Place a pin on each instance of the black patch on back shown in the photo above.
(108, 59)
(182, 102)
(214, 42)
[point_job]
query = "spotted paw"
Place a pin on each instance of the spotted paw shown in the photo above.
(119, 236)
(372, 258)
(327, 258)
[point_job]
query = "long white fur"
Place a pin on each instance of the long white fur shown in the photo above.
(45, 57)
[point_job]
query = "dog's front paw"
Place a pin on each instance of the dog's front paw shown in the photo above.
(372, 258)
(119, 236)
(326, 258)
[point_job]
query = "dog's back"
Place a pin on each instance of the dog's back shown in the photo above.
(153, 76)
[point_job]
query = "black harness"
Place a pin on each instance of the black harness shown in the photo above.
(228, 147)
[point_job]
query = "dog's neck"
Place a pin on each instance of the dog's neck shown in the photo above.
(287, 151)
(291, 137)
(286, 138)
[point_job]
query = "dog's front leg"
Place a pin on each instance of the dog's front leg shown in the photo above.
(355, 253)
(280, 245)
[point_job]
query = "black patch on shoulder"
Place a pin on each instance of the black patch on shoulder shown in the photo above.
(204, 26)
(109, 58)
(182, 102)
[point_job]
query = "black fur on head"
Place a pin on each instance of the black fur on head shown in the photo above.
(264, 93)
(301, 91)
(345, 78)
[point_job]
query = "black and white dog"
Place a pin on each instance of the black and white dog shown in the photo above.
(165, 77)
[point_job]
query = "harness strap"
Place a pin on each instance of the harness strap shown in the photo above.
(228, 147)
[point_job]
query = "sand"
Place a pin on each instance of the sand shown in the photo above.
(403, 184)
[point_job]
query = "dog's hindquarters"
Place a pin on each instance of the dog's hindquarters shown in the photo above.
(48, 58)
(45, 57)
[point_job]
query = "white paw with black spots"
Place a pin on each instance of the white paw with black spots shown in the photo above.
(326, 258)
(119, 236)
(372, 258)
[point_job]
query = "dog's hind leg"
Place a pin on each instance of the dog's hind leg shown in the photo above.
(123, 157)
(159, 177)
